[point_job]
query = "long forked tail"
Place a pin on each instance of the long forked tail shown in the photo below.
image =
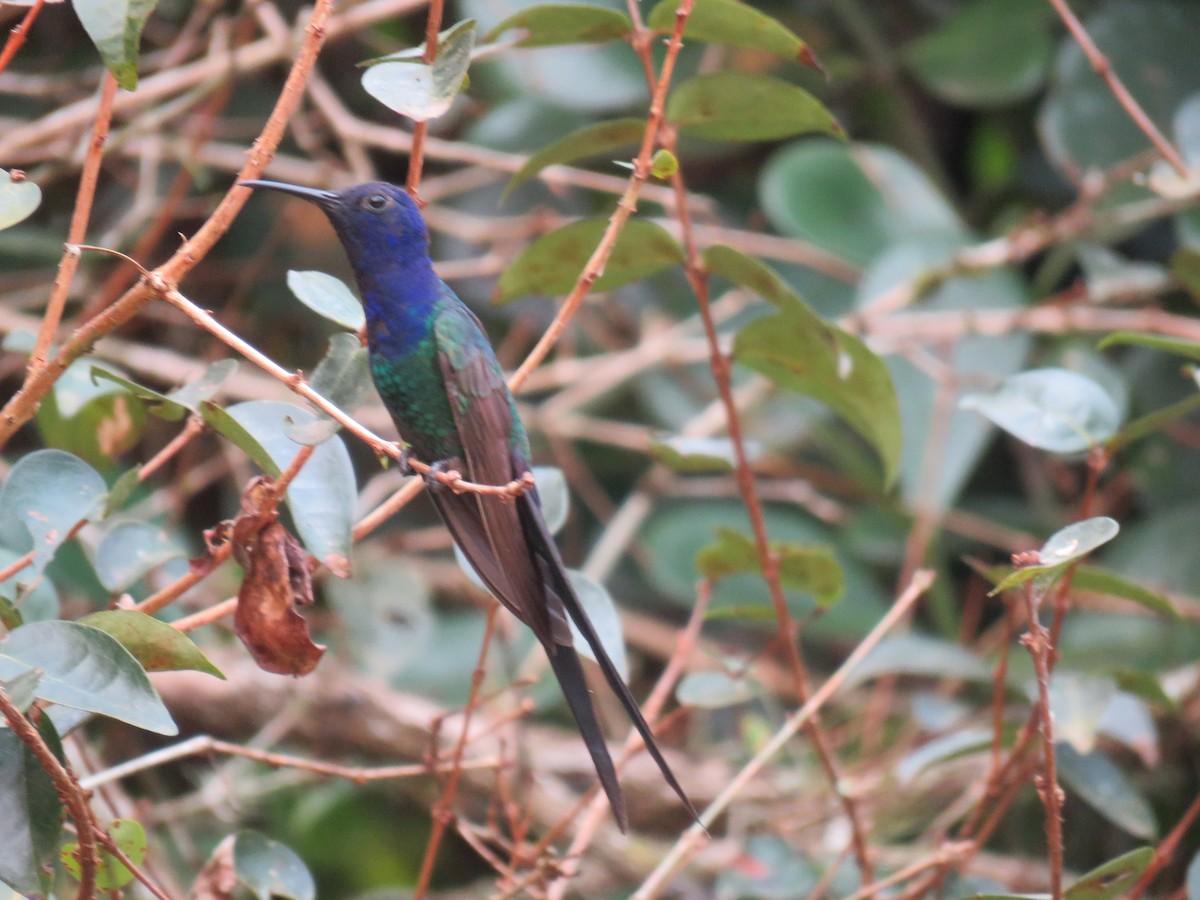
(565, 662)
(553, 569)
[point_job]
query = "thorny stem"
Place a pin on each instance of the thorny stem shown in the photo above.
(625, 207)
(79, 222)
(443, 812)
(39, 380)
(416, 159)
(16, 37)
(690, 840)
(1037, 640)
(72, 795)
(1104, 69)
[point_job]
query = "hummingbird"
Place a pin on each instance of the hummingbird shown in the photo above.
(440, 381)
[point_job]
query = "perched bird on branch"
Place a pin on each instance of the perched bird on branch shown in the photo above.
(440, 381)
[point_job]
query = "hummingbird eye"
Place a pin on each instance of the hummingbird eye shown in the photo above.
(377, 202)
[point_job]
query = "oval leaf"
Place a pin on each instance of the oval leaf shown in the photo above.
(713, 690)
(554, 496)
(550, 24)
(18, 199)
(1064, 547)
(739, 106)
(270, 869)
(49, 492)
(600, 608)
(33, 813)
(128, 550)
(552, 264)
(93, 419)
(85, 668)
(423, 92)
(154, 644)
(115, 27)
(327, 296)
(323, 495)
(1105, 788)
(1176, 346)
(801, 352)
(1114, 878)
(697, 454)
(733, 23)
(111, 874)
(915, 654)
(988, 53)
(1051, 409)
(814, 570)
(593, 140)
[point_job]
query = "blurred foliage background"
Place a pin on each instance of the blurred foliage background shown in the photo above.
(993, 210)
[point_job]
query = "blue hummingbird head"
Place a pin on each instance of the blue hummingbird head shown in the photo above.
(378, 223)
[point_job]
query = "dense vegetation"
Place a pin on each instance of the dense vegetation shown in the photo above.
(857, 341)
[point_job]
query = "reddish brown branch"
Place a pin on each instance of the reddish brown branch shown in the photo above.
(16, 37)
(416, 159)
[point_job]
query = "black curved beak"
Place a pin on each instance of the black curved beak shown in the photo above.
(313, 195)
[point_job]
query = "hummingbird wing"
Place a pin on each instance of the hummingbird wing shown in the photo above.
(491, 532)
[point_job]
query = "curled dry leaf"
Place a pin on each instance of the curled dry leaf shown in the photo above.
(218, 879)
(277, 579)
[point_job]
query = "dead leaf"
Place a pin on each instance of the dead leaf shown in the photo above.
(218, 878)
(277, 580)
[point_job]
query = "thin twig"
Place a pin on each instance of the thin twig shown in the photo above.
(79, 222)
(16, 37)
(1037, 639)
(1104, 69)
(416, 159)
(443, 810)
(691, 839)
(73, 796)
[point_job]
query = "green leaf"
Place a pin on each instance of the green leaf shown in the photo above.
(404, 84)
(663, 164)
(739, 106)
(551, 24)
(733, 23)
(552, 264)
(342, 377)
(115, 27)
(32, 595)
(592, 140)
(385, 610)
(1105, 788)
(1149, 45)
(1176, 346)
(269, 869)
(18, 199)
(22, 690)
(988, 53)
(945, 748)
(323, 496)
(93, 420)
(220, 421)
(327, 296)
(49, 492)
(853, 200)
(179, 402)
(128, 550)
(696, 454)
(598, 603)
(122, 490)
(1100, 581)
(33, 813)
(554, 495)
(813, 357)
(915, 654)
(814, 570)
(1152, 422)
(111, 874)
(84, 668)
(1078, 702)
(1051, 409)
(959, 438)
(154, 644)
(1064, 547)
(801, 352)
(713, 690)
(1113, 879)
